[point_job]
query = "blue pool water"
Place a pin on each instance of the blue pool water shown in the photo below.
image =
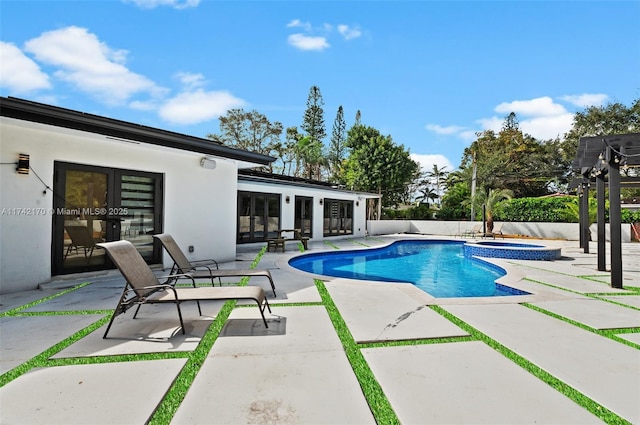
(436, 267)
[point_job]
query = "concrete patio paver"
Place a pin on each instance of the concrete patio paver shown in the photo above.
(594, 313)
(113, 393)
(399, 317)
(299, 375)
(602, 369)
(467, 383)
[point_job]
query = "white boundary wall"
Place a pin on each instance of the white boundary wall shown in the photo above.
(568, 231)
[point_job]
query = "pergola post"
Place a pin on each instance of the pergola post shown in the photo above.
(584, 217)
(615, 226)
(602, 236)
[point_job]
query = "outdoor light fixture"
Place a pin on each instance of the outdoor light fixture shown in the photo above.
(320, 201)
(287, 199)
(23, 164)
(208, 163)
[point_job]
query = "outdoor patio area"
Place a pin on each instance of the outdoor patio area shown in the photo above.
(336, 351)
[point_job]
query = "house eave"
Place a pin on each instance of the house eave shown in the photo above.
(108, 127)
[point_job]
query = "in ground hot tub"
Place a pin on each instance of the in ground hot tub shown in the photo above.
(514, 251)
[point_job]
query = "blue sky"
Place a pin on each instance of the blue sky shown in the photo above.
(428, 73)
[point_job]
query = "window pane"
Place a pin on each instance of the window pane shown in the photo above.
(138, 212)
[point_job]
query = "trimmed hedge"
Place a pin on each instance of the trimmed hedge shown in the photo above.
(557, 209)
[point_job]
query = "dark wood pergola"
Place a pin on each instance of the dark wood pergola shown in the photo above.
(599, 160)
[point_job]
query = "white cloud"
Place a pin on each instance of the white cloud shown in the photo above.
(547, 127)
(533, 107)
(349, 33)
(305, 42)
(198, 106)
(541, 117)
(90, 65)
(427, 161)
(19, 73)
(494, 123)
(177, 4)
(586, 99)
(189, 80)
(450, 129)
(297, 23)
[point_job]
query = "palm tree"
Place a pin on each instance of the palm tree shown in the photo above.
(490, 199)
(440, 175)
(427, 194)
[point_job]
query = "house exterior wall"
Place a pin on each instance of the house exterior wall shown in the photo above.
(287, 211)
(199, 203)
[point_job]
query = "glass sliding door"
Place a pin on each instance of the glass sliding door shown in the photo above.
(303, 215)
(97, 204)
(338, 217)
(258, 216)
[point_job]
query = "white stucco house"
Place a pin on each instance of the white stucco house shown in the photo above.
(69, 179)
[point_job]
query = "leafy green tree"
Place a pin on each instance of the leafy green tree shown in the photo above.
(613, 118)
(250, 131)
(511, 160)
(337, 148)
(377, 164)
(455, 201)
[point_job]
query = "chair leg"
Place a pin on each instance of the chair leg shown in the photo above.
(180, 316)
(113, 316)
(137, 310)
(261, 308)
(273, 286)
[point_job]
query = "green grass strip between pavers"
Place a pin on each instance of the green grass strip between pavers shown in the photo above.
(607, 333)
(589, 404)
(41, 300)
(412, 342)
(378, 402)
(332, 245)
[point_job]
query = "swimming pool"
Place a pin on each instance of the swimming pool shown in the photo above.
(439, 268)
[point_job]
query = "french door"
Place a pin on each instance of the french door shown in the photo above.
(96, 204)
(304, 215)
(258, 216)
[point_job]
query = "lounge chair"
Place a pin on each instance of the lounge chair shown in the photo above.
(205, 268)
(474, 231)
(497, 230)
(82, 238)
(144, 287)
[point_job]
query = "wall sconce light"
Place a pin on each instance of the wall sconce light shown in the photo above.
(22, 167)
(208, 163)
(357, 203)
(320, 201)
(287, 199)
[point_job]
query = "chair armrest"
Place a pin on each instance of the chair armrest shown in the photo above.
(204, 263)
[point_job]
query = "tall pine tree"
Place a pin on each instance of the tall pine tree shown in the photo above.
(311, 146)
(337, 147)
